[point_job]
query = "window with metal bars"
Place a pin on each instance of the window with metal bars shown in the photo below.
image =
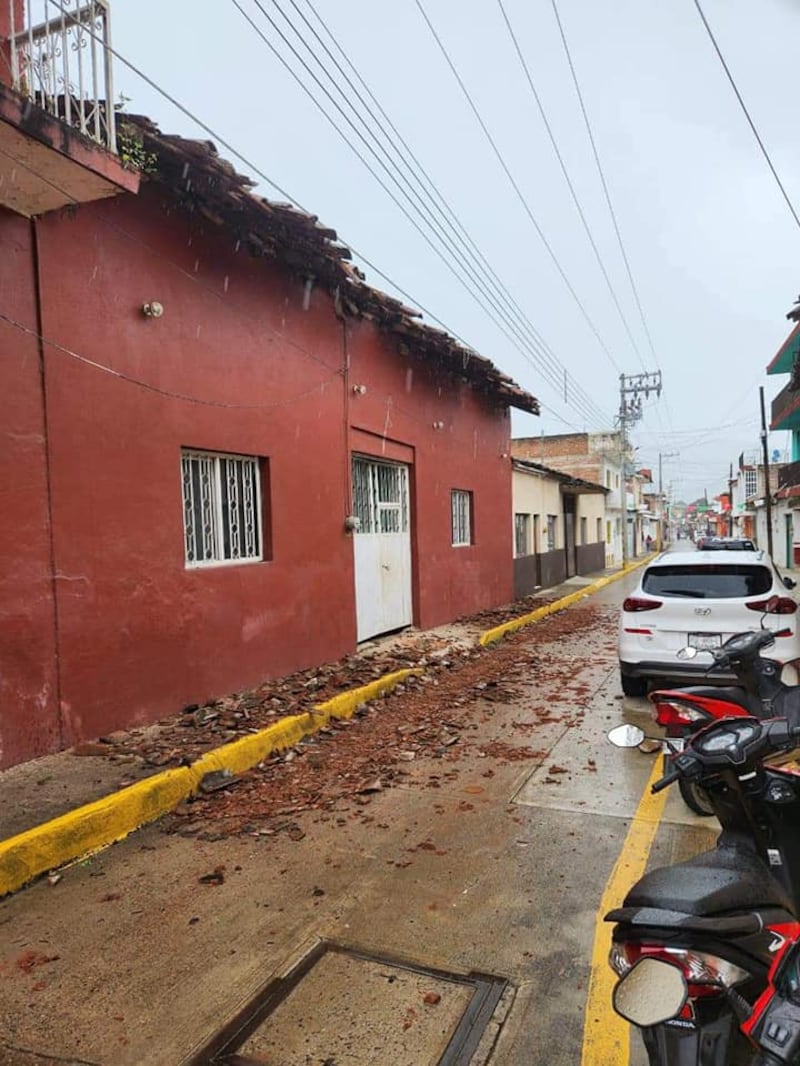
(461, 505)
(221, 508)
(380, 496)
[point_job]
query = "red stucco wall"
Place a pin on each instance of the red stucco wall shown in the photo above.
(140, 635)
(28, 688)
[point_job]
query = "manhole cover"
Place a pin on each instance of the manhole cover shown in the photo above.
(341, 1007)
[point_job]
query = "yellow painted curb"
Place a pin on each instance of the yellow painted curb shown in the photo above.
(95, 825)
(498, 632)
(606, 1037)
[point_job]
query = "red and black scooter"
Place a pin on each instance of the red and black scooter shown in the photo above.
(655, 991)
(723, 917)
(760, 692)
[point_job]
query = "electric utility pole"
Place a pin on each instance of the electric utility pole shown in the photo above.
(661, 457)
(730, 501)
(765, 453)
(632, 388)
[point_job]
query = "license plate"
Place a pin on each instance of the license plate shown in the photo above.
(705, 641)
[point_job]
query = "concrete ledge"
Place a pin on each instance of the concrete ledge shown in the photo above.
(94, 826)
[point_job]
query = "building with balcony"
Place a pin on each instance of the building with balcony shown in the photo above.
(786, 416)
(226, 456)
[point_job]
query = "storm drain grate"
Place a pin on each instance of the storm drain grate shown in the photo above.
(342, 1007)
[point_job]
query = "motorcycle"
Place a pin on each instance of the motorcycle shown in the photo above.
(724, 916)
(760, 692)
(655, 991)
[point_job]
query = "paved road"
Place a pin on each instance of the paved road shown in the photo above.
(486, 865)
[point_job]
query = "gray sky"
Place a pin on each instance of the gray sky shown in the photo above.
(710, 240)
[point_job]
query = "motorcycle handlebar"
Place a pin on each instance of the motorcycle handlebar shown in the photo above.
(665, 781)
(774, 735)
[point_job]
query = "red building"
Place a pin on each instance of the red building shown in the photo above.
(226, 457)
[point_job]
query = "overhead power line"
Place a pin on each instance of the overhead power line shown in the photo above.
(565, 172)
(743, 106)
(235, 153)
(535, 350)
(603, 182)
(416, 169)
(514, 184)
(609, 203)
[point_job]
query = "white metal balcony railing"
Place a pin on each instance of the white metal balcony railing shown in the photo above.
(60, 59)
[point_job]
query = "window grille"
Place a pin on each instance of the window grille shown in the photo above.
(461, 503)
(221, 508)
(750, 483)
(522, 524)
(380, 496)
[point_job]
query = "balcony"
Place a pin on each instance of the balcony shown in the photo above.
(58, 136)
(786, 409)
(63, 64)
(788, 476)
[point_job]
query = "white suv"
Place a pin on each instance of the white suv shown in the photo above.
(698, 599)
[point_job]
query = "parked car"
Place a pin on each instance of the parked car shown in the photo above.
(691, 599)
(734, 544)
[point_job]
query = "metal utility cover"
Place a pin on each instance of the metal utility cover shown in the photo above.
(347, 1008)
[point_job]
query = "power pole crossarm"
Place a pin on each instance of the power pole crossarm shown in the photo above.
(632, 387)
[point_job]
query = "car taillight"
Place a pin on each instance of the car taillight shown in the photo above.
(673, 712)
(706, 975)
(638, 603)
(778, 605)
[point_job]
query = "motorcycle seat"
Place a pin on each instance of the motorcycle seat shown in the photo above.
(730, 877)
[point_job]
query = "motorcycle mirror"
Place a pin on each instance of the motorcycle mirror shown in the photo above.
(651, 992)
(626, 736)
(686, 653)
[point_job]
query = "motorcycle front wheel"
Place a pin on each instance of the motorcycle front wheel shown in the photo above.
(696, 798)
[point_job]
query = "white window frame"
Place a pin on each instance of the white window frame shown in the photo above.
(461, 518)
(522, 535)
(245, 546)
(552, 532)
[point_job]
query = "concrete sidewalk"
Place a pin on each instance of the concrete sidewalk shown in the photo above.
(61, 807)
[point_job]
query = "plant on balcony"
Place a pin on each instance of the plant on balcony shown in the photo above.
(132, 151)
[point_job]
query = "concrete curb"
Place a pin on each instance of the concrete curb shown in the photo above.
(89, 828)
(493, 635)
(95, 825)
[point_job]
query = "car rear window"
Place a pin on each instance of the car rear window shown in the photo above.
(729, 545)
(708, 582)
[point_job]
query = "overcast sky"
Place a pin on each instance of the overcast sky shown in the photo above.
(711, 243)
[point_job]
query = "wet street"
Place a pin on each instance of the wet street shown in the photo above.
(407, 903)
